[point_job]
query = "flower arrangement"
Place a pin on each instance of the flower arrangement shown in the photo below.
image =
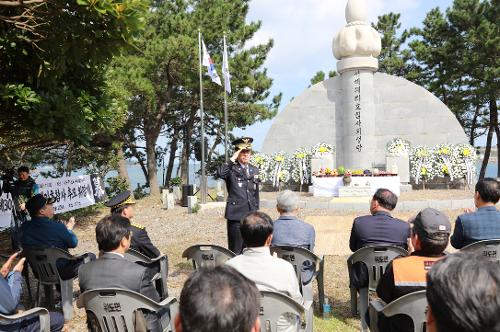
(398, 147)
(421, 163)
(301, 166)
(322, 149)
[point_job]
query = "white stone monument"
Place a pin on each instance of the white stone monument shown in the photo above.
(356, 46)
(359, 111)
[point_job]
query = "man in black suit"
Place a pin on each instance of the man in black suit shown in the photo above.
(112, 270)
(242, 182)
(379, 228)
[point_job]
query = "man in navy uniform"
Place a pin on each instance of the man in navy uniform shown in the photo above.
(122, 204)
(242, 182)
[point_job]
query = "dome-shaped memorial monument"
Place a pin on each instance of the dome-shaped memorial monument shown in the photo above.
(360, 110)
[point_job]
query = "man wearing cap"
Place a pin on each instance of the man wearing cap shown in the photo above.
(429, 239)
(242, 182)
(122, 204)
(44, 232)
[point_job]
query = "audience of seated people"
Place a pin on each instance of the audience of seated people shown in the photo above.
(429, 239)
(484, 223)
(113, 270)
(10, 297)
(462, 288)
(123, 205)
(290, 231)
(218, 299)
(257, 264)
(463, 293)
(378, 228)
(42, 231)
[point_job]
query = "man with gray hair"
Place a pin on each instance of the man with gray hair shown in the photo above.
(288, 229)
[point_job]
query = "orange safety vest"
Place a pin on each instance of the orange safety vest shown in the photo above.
(412, 270)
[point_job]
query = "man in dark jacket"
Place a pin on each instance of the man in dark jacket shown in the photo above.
(42, 231)
(113, 270)
(429, 238)
(379, 228)
(10, 296)
(484, 223)
(242, 182)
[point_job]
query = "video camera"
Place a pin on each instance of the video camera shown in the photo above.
(8, 182)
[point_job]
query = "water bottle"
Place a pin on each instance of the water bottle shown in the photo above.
(327, 310)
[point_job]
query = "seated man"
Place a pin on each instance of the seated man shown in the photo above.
(429, 238)
(379, 228)
(484, 223)
(122, 204)
(257, 264)
(290, 231)
(112, 270)
(44, 232)
(463, 294)
(218, 299)
(10, 296)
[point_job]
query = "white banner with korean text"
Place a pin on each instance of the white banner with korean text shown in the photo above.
(73, 192)
(70, 193)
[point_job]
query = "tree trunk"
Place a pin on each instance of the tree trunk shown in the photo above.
(472, 136)
(171, 157)
(186, 148)
(135, 153)
(122, 167)
(487, 151)
(151, 139)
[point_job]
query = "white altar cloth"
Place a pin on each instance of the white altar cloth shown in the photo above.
(329, 186)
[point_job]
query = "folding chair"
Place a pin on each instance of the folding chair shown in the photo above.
(297, 256)
(488, 248)
(43, 316)
(207, 255)
(114, 308)
(413, 305)
(159, 264)
(376, 258)
(274, 305)
(43, 263)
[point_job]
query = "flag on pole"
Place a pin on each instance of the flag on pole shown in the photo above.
(208, 62)
(225, 69)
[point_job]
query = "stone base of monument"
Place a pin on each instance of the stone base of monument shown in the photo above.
(192, 204)
(401, 165)
(168, 199)
(322, 163)
(355, 191)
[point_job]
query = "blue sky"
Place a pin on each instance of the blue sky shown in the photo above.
(303, 31)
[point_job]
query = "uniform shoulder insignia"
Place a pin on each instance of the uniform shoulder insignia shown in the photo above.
(137, 225)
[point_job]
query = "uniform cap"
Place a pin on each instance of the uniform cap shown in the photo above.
(123, 198)
(35, 203)
(432, 222)
(244, 143)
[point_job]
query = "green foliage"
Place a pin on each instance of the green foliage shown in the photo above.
(116, 185)
(318, 77)
(175, 182)
(52, 84)
(392, 59)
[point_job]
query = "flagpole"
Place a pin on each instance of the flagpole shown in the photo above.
(225, 105)
(202, 180)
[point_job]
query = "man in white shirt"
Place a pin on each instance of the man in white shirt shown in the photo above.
(257, 264)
